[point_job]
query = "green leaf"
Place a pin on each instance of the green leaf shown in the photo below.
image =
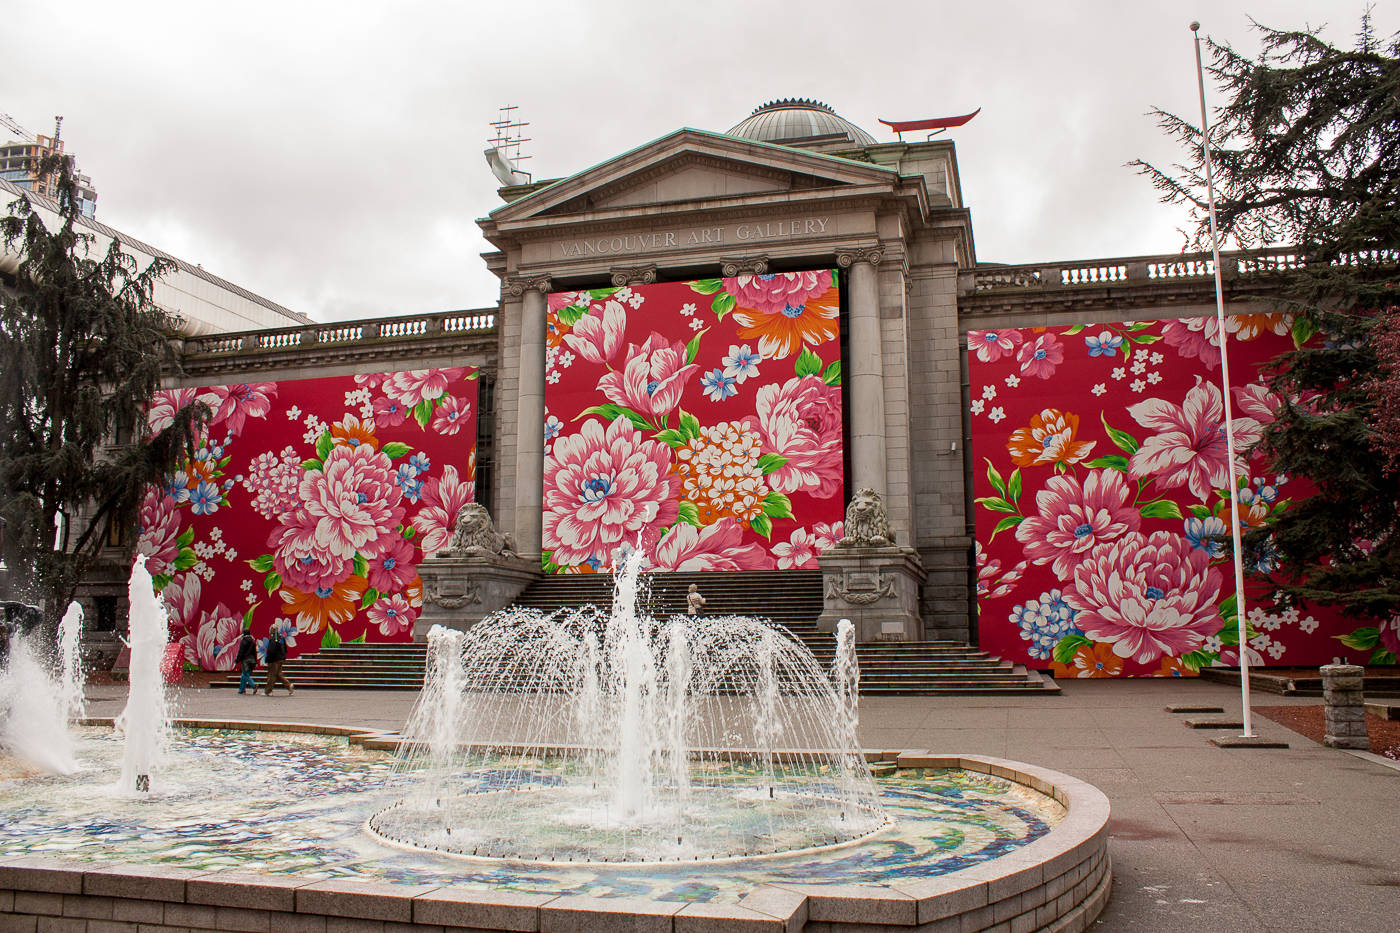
(1074, 330)
(324, 443)
(160, 581)
(329, 639)
(1066, 647)
(361, 566)
(996, 504)
(358, 640)
(722, 304)
(1010, 521)
(1362, 638)
(1013, 486)
(1303, 329)
(186, 559)
(1145, 338)
(995, 478)
(1160, 508)
(1139, 325)
(272, 583)
(690, 513)
(311, 464)
(689, 425)
(762, 525)
(261, 564)
(571, 315)
(611, 412)
(832, 376)
(670, 437)
(771, 463)
(1111, 462)
(1198, 510)
(371, 595)
(597, 293)
(1382, 656)
(777, 505)
(1228, 608)
(1122, 439)
(186, 537)
(248, 616)
(422, 412)
(707, 286)
(808, 363)
(394, 449)
(1196, 660)
(692, 349)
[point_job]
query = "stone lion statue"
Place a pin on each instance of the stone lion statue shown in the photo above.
(867, 525)
(476, 536)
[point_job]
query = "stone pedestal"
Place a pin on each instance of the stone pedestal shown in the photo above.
(1345, 710)
(877, 588)
(459, 592)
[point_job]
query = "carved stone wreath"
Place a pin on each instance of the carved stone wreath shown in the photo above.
(861, 596)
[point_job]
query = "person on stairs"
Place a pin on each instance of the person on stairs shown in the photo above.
(276, 654)
(247, 660)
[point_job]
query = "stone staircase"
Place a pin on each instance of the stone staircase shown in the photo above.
(792, 599)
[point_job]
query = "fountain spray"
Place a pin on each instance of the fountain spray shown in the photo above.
(70, 633)
(146, 720)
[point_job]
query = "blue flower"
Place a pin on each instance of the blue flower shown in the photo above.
(205, 499)
(408, 481)
(1105, 344)
(1045, 621)
(419, 462)
(175, 487)
(718, 386)
(1199, 530)
(552, 427)
(741, 363)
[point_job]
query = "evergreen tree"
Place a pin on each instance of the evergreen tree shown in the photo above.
(82, 345)
(1306, 154)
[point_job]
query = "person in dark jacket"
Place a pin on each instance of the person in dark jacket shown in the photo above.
(276, 654)
(247, 659)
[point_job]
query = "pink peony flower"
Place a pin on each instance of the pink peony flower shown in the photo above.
(1257, 402)
(393, 569)
(558, 300)
(603, 488)
(302, 557)
(437, 519)
(392, 614)
(1041, 357)
(1197, 337)
(992, 345)
(1189, 446)
(354, 500)
(166, 405)
(597, 339)
(181, 598)
(1147, 596)
(772, 294)
(373, 380)
(236, 403)
(801, 420)
(389, 412)
(157, 529)
(451, 414)
(827, 535)
(215, 645)
(715, 547)
(987, 572)
(1073, 520)
(1390, 634)
(652, 379)
(415, 385)
(798, 552)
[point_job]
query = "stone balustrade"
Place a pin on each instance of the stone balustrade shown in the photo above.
(1135, 270)
(343, 332)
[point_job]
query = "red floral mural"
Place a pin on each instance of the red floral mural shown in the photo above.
(309, 505)
(698, 420)
(1101, 484)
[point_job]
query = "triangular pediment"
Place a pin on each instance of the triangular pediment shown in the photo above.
(692, 165)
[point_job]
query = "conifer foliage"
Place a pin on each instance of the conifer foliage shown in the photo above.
(82, 345)
(1306, 152)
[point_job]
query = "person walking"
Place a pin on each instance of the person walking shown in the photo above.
(276, 654)
(247, 659)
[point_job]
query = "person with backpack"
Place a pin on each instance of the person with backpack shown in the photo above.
(276, 654)
(247, 660)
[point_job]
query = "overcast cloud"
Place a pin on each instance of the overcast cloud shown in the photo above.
(328, 156)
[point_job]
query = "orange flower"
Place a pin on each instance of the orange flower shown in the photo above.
(782, 333)
(414, 593)
(329, 605)
(1172, 667)
(554, 330)
(1090, 661)
(1249, 326)
(1049, 439)
(351, 432)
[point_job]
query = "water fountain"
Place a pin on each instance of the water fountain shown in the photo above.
(145, 722)
(37, 705)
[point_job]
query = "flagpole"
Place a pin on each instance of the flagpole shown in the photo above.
(1225, 382)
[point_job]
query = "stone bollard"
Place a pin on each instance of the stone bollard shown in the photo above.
(1345, 709)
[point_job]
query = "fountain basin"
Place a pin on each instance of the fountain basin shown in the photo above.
(1056, 881)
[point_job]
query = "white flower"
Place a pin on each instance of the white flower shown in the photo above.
(246, 585)
(367, 411)
(1100, 389)
(553, 377)
(1276, 650)
(996, 415)
(1013, 380)
(566, 359)
(1140, 355)
(634, 299)
(293, 413)
(1120, 373)
(1156, 358)
(1137, 385)
(978, 406)
(1260, 642)
(1154, 378)
(1308, 625)
(741, 363)
(216, 533)
(1212, 644)
(696, 324)
(1139, 367)
(687, 309)
(1290, 615)
(989, 392)
(230, 554)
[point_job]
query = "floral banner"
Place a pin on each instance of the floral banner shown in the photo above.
(698, 420)
(309, 504)
(1101, 483)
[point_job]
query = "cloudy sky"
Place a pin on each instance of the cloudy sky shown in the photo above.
(329, 155)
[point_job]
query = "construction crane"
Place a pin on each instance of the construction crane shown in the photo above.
(9, 123)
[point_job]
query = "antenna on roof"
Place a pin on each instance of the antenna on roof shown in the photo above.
(504, 155)
(57, 128)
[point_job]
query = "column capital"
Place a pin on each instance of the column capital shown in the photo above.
(749, 265)
(845, 258)
(633, 275)
(518, 285)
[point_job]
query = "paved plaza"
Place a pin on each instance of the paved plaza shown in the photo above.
(1204, 838)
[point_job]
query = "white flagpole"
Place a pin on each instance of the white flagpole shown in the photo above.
(1225, 384)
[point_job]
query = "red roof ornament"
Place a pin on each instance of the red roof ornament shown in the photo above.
(940, 124)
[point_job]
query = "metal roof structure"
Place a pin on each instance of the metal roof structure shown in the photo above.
(792, 120)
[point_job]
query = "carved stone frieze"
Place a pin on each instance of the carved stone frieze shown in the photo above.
(861, 589)
(749, 265)
(451, 594)
(633, 275)
(518, 285)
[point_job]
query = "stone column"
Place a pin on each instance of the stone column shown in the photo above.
(1345, 710)
(529, 429)
(867, 376)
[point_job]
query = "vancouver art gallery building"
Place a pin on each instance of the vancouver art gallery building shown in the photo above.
(705, 347)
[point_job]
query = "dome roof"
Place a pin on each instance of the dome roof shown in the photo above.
(789, 120)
